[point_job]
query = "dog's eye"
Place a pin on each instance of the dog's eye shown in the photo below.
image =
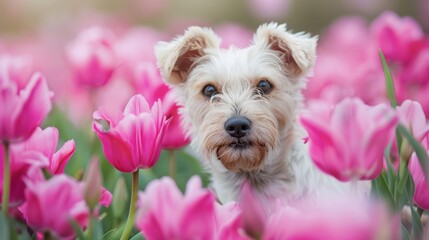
(209, 91)
(264, 86)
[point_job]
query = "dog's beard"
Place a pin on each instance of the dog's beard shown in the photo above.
(239, 156)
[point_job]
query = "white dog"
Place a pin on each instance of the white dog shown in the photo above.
(240, 106)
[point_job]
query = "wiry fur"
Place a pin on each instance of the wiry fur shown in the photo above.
(276, 163)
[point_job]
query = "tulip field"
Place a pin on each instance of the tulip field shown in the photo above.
(92, 145)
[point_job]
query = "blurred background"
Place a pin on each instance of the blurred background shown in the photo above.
(22, 16)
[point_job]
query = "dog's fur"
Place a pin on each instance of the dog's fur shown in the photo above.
(276, 161)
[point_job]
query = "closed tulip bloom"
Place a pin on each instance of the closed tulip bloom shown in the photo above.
(92, 57)
(132, 139)
(348, 142)
(421, 195)
(22, 109)
(164, 213)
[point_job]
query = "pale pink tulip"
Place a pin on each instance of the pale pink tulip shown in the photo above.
(349, 141)
(132, 139)
(17, 68)
(22, 109)
(394, 35)
(410, 115)
(421, 194)
(164, 213)
(340, 218)
(229, 222)
(92, 57)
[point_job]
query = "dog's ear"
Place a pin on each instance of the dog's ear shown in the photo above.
(297, 50)
(176, 58)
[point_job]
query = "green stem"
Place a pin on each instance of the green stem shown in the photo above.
(6, 180)
(131, 214)
(420, 212)
(89, 231)
(172, 164)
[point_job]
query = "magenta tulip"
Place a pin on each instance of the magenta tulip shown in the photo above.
(133, 138)
(152, 87)
(52, 204)
(394, 35)
(42, 145)
(348, 141)
(38, 151)
(92, 57)
(421, 194)
(164, 213)
(22, 109)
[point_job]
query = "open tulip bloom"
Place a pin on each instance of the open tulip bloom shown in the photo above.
(133, 139)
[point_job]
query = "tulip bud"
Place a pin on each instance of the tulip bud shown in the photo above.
(120, 198)
(92, 189)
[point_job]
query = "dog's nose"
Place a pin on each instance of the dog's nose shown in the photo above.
(237, 126)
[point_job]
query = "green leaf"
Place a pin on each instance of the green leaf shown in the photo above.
(419, 150)
(78, 230)
(389, 81)
(114, 234)
(417, 231)
(381, 189)
(4, 227)
(138, 236)
(405, 235)
(391, 173)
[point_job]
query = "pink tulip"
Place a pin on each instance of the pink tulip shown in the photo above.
(52, 204)
(421, 194)
(22, 109)
(42, 145)
(92, 57)
(37, 151)
(394, 35)
(230, 222)
(164, 213)
(340, 218)
(152, 87)
(17, 68)
(134, 48)
(63, 196)
(412, 77)
(132, 139)
(347, 64)
(348, 142)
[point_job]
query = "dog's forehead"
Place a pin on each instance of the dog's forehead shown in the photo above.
(231, 64)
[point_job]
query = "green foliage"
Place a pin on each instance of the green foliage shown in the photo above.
(396, 187)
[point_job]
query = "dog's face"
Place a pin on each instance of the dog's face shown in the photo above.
(239, 104)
